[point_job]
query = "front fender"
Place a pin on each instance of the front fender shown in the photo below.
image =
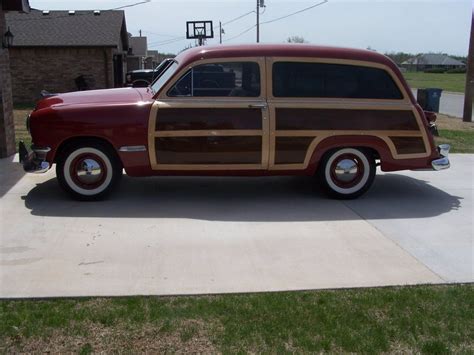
(118, 124)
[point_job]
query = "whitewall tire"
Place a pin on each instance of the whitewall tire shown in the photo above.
(347, 173)
(88, 171)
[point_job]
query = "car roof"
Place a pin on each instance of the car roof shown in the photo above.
(280, 50)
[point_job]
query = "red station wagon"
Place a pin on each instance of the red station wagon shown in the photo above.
(253, 110)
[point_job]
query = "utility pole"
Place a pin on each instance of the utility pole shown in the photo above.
(469, 90)
(258, 21)
(260, 3)
(220, 32)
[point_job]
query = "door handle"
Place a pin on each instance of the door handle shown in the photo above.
(260, 106)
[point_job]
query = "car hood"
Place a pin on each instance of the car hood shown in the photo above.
(94, 97)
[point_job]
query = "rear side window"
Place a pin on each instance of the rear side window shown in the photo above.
(299, 79)
(219, 79)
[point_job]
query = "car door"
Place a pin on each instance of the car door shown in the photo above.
(213, 116)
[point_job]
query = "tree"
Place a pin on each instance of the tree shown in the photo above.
(296, 39)
(399, 57)
(163, 56)
(188, 46)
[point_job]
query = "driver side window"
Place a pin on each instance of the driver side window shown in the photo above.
(238, 79)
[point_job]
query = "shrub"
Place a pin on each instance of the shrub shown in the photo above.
(435, 70)
(456, 70)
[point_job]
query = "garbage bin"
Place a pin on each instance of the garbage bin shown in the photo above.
(429, 99)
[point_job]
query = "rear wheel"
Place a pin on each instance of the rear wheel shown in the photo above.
(347, 173)
(88, 171)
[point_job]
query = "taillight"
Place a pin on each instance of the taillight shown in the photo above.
(430, 116)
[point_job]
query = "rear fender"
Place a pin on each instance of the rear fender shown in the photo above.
(377, 145)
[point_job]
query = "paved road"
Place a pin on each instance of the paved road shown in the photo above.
(212, 235)
(451, 103)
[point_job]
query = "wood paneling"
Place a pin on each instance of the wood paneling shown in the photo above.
(341, 119)
(291, 150)
(209, 150)
(408, 145)
(175, 119)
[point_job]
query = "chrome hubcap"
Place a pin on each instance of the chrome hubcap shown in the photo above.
(89, 171)
(346, 170)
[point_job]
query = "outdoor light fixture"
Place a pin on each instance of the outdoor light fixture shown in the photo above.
(7, 39)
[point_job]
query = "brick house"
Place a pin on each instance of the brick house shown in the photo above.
(7, 128)
(53, 48)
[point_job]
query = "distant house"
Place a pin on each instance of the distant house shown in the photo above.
(137, 53)
(152, 59)
(431, 61)
(140, 57)
(51, 49)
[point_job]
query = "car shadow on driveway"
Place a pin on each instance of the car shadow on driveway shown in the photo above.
(10, 173)
(274, 199)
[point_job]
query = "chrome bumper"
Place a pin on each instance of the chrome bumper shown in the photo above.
(34, 159)
(443, 162)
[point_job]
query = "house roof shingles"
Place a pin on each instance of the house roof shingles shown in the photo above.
(59, 29)
(433, 59)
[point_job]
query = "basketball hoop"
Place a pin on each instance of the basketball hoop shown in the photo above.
(199, 30)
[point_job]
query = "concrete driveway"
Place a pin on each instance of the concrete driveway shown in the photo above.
(171, 235)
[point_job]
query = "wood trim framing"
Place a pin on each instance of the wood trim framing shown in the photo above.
(269, 131)
(319, 136)
(340, 103)
(271, 60)
(163, 96)
(165, 102)
(210, 133)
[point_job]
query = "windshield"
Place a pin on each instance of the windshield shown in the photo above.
(164, 74)
(161, 68)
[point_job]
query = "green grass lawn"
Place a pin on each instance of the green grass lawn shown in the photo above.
(447, 82)
(455, 132)
(427, 319)
(21, 133)
(461, 141)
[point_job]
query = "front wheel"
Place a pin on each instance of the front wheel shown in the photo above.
(347, 173)
(88, 171)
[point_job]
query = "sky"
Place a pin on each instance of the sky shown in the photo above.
(413, 26)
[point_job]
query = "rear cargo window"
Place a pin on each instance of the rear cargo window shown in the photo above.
(299, 79)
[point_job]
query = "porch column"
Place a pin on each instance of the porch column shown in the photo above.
(7, 128)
